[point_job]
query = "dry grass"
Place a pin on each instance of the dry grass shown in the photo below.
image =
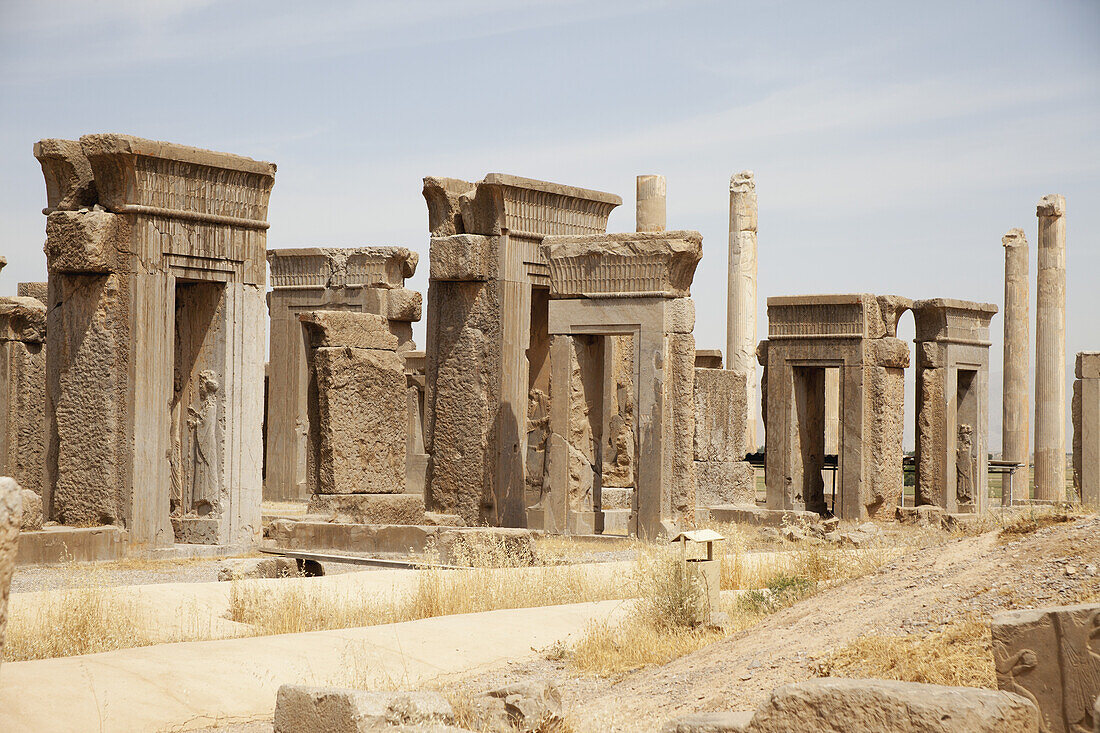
(958, 655)
(665, 622)
(1036, 518)
(86, 617)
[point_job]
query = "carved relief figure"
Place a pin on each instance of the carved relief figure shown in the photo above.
(1009, 669)
(203, 422)
(538, 431)
(964, 465)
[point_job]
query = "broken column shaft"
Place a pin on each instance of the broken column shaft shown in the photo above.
(741, 285)
(1050, 351)
(650, 212)
(1014, 404)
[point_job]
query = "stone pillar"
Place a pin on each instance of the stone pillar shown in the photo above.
(1050, 351)
(23, 391)
(650, 214)
(1086, 428)
(741, 285)
(1015, 410)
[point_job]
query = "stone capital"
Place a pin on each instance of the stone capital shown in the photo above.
(1014, 238)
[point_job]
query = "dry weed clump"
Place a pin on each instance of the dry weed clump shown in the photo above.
(959, 655)
(1036, 518)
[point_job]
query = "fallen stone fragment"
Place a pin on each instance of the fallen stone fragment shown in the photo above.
(11, 512)
(299, 708)
(525, 706)
(832, 705)
(721, 722)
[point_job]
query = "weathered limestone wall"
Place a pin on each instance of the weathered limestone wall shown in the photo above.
(721, 474)
(952, 387)
(487, 348)
(23, 391)
(1047, 656)
(154, 340)
(1050, 351)
(1015, 402)
(1086, 427)
(38, 291)
(360, 280)
(741, 306)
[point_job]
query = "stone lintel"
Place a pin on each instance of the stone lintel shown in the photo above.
(1088, 365)
(653, 264)
(334, 267)
(138, 176)
(587, 194)
(947, 319)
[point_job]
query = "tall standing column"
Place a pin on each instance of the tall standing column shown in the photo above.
(1050, 351)
(741, 284)
(1015, 410)
(650, 212)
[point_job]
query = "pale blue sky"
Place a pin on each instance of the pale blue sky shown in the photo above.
(893, 143)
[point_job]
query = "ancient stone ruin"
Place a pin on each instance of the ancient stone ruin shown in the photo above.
(488, 348)
(808, 335)
(156, 256)
(356, 280)
(603, 288)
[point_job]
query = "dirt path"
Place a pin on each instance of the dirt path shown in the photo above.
(917, 593)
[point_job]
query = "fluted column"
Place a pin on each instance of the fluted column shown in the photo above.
(650, 212)
(741, 284)
(1050, 351)
(1015, 407)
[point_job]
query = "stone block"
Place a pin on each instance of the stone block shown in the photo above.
(22, 319)
(924, 515)
(522, 706)
(442, 197)
(762, 517)
(463, 257)
(680, 315)
(299, 708)
(631, 263)
(463, 546)
(616, 498)
(614, 521)
(886, 706)
(369, 508)
(1087, 365)
(403, 305)
(54, 544)
(720, 722)
(362, 421)
(37, 290)
(32, 512)
(348, 328)
(11, 516)
(85, 241)
(721, 410)
(708, 358)
(724, 482)
(197, 530)
(1047, 655)
(70, 184)
(257, 567)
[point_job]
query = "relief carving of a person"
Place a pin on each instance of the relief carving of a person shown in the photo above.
(203, 422)
(964, 465)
